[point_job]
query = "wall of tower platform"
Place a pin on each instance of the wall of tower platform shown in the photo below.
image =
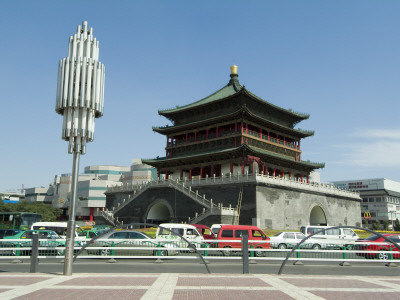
(264, 205)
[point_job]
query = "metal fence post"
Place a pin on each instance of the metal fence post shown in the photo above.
(34, 253)
(245, 252)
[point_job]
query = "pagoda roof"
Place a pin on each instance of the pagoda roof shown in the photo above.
(170, 161)
(230, 90)
(229, 116)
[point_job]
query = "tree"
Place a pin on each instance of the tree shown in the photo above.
(48, 212)
(376, 225)
(386, 224)
(396, 225)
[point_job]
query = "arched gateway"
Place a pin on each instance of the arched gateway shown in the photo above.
(159, 212)
(317, 216)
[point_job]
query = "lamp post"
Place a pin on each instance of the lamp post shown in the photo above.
(80, 99)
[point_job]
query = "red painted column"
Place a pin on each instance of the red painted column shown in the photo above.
(231, 168)
(166, 175)
(265, 170)
(260, 133)
(268, 135)
(242, 168)
(212, 170)
(308, 179)
(91, 215)
(190, 174)
(274, 173)
(290, 175)
(201, 172)
(181, 174)
(284, 141)
(158, 175)
(301, 177)
(283, 174)
(247, 128)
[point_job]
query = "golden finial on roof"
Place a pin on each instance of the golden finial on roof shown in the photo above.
(234, 69)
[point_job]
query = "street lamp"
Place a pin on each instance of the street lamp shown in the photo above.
(80, 99)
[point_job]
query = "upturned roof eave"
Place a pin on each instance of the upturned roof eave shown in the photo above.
(170, 129)
(307, 164)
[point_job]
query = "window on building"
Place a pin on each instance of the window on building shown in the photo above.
(365, 199)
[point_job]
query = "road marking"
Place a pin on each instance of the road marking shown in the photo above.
(287, 288)
(163, 288)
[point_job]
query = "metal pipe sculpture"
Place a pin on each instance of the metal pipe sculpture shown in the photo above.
(80, 99)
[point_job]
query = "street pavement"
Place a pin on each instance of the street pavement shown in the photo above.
(179, 286)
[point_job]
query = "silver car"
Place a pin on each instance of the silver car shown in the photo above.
(114, 242)
(285, 240)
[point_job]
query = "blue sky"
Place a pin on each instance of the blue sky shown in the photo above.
(338, 61)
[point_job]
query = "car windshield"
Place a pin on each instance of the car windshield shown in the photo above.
(278, 234)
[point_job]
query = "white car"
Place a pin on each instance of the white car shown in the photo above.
(284, 240)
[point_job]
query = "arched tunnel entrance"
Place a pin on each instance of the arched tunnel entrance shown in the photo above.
(317, 216)
(159, 212)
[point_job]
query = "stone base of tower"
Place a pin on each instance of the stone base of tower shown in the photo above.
(264, 201)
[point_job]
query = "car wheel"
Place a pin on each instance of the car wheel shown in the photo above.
(316, 247)
(259, 253)
(282, 246)
(60, 252)
(226, 252)
(383, 256)
(105, 252)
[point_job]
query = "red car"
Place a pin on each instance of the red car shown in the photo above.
(205, 231)
(230, 236)
(377, 243)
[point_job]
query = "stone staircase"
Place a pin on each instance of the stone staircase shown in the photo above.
(134, 191)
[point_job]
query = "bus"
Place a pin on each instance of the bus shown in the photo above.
(18, 220)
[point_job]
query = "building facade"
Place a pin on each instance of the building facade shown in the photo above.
(380, 199)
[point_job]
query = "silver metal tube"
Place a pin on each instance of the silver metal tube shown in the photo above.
(69, 245)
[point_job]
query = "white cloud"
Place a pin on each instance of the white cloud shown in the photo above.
(393, 134)
(370, 148)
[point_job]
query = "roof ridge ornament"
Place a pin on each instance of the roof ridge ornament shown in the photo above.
(234, 78)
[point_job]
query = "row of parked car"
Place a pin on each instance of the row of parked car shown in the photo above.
(167, 240)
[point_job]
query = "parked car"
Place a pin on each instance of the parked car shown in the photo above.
(333, 238)
(205, 231)
(189, 232)
(284, 240)
(54, 244)
(257, 238)
(130, 238)
(377, 243)
(8, 232)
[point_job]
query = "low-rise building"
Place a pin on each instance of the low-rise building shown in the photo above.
(380, 199)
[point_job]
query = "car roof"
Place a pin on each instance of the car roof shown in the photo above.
(175, 225)
(243, 227)
(200, 226)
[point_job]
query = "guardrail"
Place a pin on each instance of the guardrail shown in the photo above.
(179, 247)
(213, 249)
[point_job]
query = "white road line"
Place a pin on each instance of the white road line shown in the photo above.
(289, 289)
(17, 291)
(163, 288)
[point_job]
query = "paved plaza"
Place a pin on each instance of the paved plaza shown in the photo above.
(178, 286)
